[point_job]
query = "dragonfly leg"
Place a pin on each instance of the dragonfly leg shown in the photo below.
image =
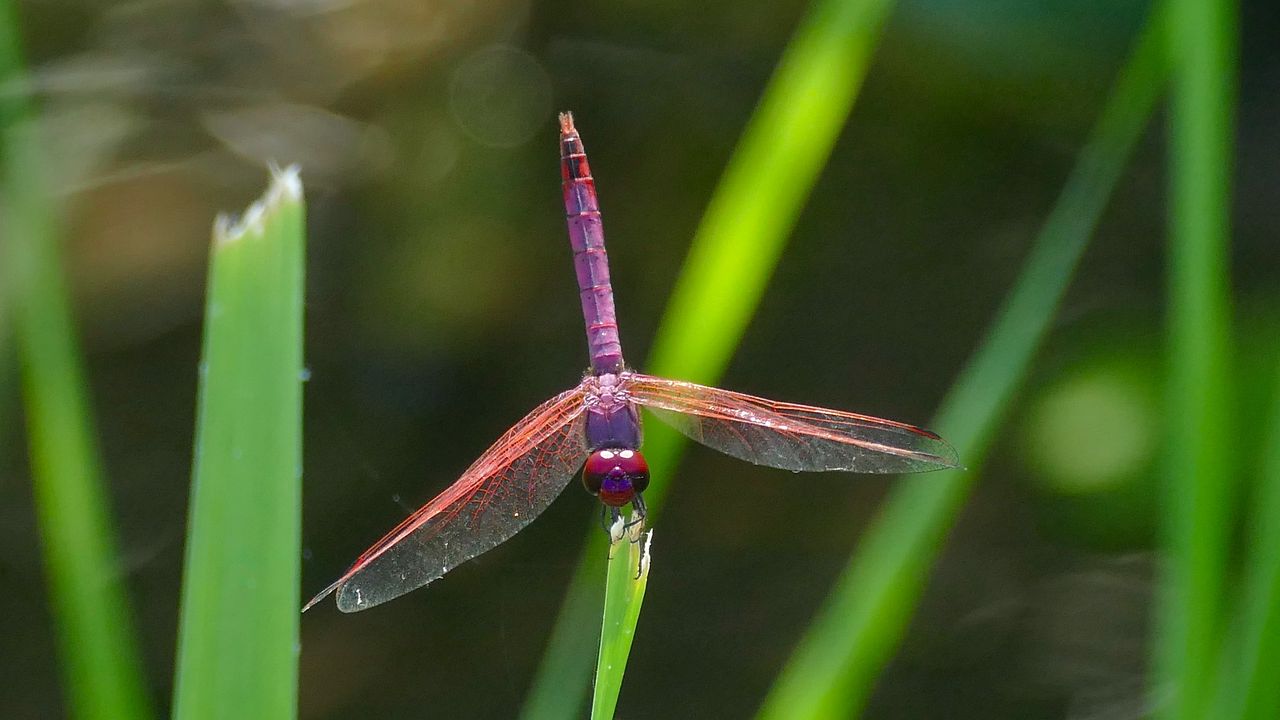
(635, 526)
(638, 506)
(608, 517)
(616, 527)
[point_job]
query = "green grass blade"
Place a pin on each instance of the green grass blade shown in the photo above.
(832, 671)
(738, 243)
(627, 579)
(1198, 455)
(7, 379)
(101, 665)
(238, 638)
(1251, 685)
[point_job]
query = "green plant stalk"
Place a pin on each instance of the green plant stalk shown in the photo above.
(832, 671)
(100, 662)
(238, 634)
(7, 368)
(627, 579)
(1198, 457)
(7, 378)
(1249, 687)
(777, 161)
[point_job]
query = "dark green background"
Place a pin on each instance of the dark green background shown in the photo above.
(441, 306)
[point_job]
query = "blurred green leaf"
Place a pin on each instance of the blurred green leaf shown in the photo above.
(624, 593)
(844, 650)
(1250, 684)
(7, 379)
(238, 639)
(748, 220)
(101, 665)
(1198, 450)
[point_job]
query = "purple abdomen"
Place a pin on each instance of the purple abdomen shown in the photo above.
(586, 235)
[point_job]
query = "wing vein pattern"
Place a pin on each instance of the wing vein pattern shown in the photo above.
(787, 435)
(503, 491)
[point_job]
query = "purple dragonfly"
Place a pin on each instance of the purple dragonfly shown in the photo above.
(596, 427)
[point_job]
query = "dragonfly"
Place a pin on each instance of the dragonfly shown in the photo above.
(596, 428)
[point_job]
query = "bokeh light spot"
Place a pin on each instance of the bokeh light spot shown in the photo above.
(500, 96)
(1093, 431)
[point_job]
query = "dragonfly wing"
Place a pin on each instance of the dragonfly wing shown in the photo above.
(506, 488)
(790, 436)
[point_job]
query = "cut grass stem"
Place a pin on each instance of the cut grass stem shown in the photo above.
(238, 633)
(627, 578)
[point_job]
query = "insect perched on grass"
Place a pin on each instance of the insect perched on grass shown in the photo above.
(596, 427)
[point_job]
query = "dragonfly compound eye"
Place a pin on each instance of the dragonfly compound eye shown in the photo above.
(615, 475)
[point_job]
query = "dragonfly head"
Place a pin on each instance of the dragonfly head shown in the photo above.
(615, 475)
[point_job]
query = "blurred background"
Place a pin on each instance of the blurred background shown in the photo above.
(441, 306)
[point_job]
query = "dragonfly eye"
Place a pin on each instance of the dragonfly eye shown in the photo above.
(615, 475)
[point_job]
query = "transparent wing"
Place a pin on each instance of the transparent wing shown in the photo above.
(502, 491)
(790, 436)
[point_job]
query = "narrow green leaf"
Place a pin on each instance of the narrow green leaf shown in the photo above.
(7, 369)
(101, 665)
(1198, 452)
(238, 638)
(748, 220)
(832, 671)
(624, 593)
(1250, 687)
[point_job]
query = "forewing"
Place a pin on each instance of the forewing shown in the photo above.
(502, 491)
(790, 436)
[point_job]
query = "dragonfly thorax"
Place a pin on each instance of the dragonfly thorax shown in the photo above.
(615, 475)
(612, 419)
